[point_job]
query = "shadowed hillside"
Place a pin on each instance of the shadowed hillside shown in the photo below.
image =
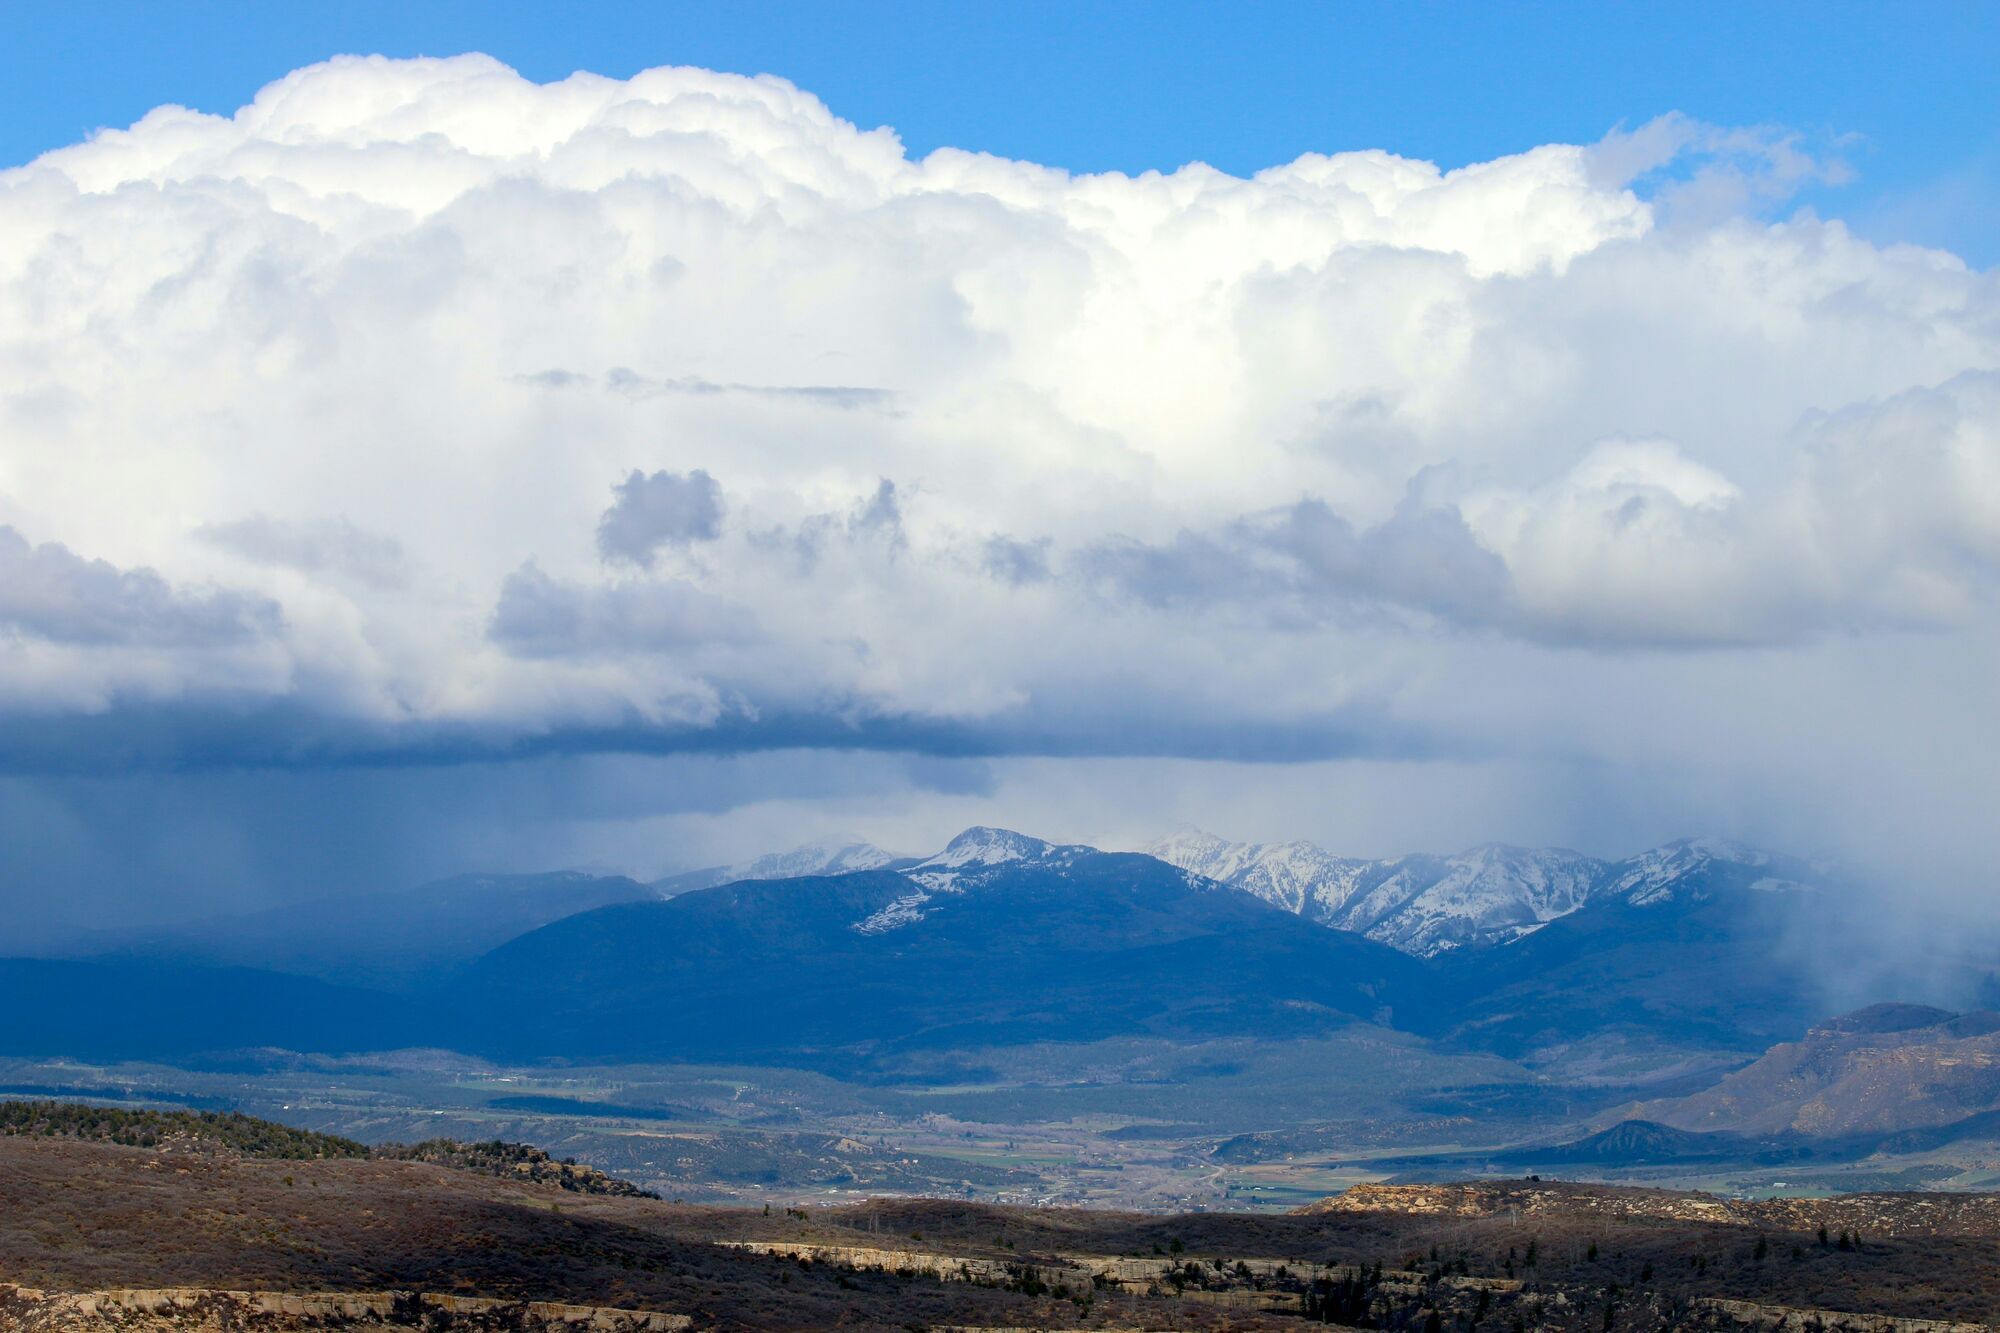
(1105, 945)
(81, 1216)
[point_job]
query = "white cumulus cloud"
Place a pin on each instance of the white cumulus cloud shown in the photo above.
(678, 411)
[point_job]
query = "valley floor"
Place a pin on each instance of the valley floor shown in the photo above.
(1243, 1127)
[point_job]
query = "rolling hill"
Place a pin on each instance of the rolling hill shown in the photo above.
(1885, 1069)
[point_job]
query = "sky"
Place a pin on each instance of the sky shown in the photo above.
(1401, 427)
(1906, 90)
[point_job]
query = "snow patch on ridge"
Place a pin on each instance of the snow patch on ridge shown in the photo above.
(904, 911)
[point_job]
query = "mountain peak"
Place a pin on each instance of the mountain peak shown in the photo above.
(985, 846)
(981, 853)
(1693, 866)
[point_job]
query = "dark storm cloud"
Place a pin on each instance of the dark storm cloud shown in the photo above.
(49, 592)
(1105, 719)
(663, 509)
(173, 811)
(134, 848)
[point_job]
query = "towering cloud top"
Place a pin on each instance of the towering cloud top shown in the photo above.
(418, 408)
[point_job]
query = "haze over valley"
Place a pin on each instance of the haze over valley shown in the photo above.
(1209, 1023)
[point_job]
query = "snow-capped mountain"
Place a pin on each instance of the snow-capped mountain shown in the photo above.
(1296, 876)
(1429, 905)
(980, 849)
(1699, 865)
(1422, 905)
(1488, 895)
(1030, 942)
(835, 856)
(975, 858)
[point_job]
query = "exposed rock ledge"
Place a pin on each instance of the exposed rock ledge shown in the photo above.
(1528, 1199)
(204, 1310)
(1787, 1319)
(1871, 1215)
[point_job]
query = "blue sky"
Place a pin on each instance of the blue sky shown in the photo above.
(1909, 90)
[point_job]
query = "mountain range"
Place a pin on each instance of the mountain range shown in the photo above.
(1494, 894)
(1689, 957)
(1422, 905)
(998, 940)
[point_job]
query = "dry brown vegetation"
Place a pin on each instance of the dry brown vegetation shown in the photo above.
(78, 1216)
(231, 1132)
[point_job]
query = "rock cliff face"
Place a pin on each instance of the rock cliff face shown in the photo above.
(206, 1310)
